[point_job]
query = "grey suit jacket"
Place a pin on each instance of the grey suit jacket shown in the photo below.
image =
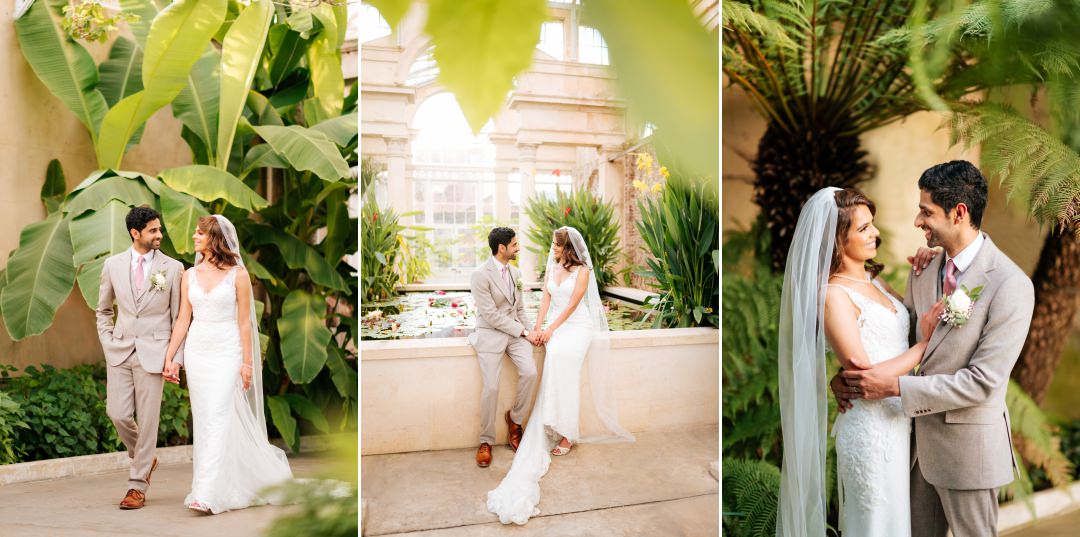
(957, 396)
(142, 322)
(500, 312)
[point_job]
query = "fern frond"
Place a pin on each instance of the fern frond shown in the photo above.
(1033, 437)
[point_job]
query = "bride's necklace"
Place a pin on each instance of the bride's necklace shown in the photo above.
(867, 280)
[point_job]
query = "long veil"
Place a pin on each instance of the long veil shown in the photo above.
(600, 371)
(254, 396)
(803, 404)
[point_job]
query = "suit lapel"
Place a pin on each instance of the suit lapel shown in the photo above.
(125, 286)
(975, 276)
(148, 289)
(498, 281)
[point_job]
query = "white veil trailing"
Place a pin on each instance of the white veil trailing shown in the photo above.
(598, 358)
(803, 404)
(254, 396)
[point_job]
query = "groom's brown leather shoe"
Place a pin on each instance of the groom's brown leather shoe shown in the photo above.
(514, 436)
(134, 500)
(483, 455)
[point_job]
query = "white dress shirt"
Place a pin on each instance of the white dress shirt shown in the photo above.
(148, 258)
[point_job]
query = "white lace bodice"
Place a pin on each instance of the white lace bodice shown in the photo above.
(883, 331)
(214, 305)
(560, 299)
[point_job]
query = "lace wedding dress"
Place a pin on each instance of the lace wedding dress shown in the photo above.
(233, 461)
(555, 413)
(873, 458)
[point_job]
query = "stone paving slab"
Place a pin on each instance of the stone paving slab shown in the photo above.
(415, 492)
(689, 517)
(1064, 525)
(87, 507)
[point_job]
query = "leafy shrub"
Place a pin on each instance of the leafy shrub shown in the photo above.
(681, 229)
(581, 210)
(379, 250)
(326, 508)
(66, 415)
(11, 416)
(1036, 446)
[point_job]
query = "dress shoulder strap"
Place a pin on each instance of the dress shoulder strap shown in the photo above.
(856, 299)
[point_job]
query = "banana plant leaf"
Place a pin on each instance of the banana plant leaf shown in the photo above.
(40, 277)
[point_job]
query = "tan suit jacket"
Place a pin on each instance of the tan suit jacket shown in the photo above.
(143, 322)
(500, 312)
(962, 438)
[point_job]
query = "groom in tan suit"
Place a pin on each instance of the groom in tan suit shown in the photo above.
(145, 286)
(961, 445)
(501, 329)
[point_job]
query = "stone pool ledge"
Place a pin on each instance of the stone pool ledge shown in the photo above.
(424, 394)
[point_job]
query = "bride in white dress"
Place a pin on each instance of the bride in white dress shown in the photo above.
(233, 460)
(577, 333)
(832, 299)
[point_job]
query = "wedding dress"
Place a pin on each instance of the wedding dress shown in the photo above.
(873, 457)
(233, 461)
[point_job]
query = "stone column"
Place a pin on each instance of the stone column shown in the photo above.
(527, 172)
(397, 182)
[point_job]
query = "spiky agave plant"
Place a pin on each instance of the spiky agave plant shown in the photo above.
(821, 74)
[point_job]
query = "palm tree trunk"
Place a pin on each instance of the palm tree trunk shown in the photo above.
(1057, 287)
(790, 168)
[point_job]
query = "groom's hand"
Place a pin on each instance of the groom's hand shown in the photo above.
(872, 383)
(171, 372)
(842, 392)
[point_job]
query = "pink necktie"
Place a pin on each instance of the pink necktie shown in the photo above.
(506, 276)
(950, 278)
(139, 277)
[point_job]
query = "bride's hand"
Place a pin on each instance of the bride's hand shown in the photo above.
(171, 372)
(245, 376)
(930, 321)
(545, 336)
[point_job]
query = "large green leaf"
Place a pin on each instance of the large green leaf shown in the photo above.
(209, 183)
(40, 277)
(673, 86)
(63, 65)
(306, 150)
(181, 213)
(121, 74)
(338, 227)
(145, 11)
(55, 187)
(392, 10)
(176, 40)
(324, 63)
(130, 191)
(264, 111)
(262, 156)
(299, 255)
(196, 106)
(307, 410)
(481, 45)
(304, 335)
(100, 233)
(287, 48)
(89, 278)
(343, 376)
(282, 418)
(240, 56)
(340, 129)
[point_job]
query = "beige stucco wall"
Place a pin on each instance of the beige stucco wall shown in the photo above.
(899, 153)
(38, 128)
(424, 394)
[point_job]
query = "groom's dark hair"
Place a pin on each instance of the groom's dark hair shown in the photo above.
(499, 235)
(138, 217)
(956, 182)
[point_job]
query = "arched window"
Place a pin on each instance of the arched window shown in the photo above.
(591, 46)
(372, 25)
(453, 180)
(423, 70)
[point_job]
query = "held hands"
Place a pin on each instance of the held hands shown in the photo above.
(922, 259)
(245, 375)
(544, 336)
(171, 372)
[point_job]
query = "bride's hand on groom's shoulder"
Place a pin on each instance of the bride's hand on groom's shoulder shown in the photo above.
(922, 259)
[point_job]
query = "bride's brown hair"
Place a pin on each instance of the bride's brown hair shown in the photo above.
(846, 201)
(217, 248)
(570, 258)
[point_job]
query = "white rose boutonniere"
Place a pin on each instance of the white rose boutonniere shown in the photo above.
(959, 305)
(159, 281)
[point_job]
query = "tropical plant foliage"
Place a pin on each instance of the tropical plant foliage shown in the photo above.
(681, 229)
(379, 251)
(11, 417)
(273, 136)
(581, 210)
(750, 498)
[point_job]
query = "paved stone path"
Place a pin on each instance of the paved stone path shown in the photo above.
(1064, 525)
(87, 507)
(659, 486)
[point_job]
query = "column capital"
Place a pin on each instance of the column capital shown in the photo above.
(527, 151)
(397, 146)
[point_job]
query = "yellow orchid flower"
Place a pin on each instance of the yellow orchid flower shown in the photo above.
(657, 187)
(639, 185)
(664, 171)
